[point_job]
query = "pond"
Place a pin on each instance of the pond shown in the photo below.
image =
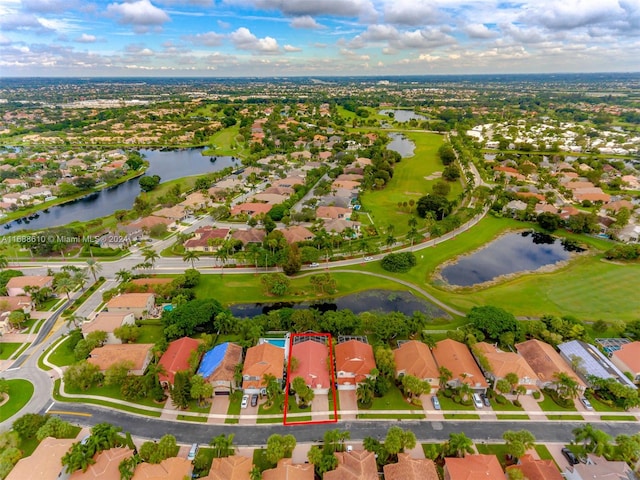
(511, 253)
(403, 115)
(168, 164)
(369, 300)
(401, 144)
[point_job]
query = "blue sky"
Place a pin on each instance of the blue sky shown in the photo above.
(316, 37)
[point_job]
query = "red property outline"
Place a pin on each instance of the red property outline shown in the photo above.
(331, 376)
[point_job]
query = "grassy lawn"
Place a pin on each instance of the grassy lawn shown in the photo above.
(432, 450)
(548, 405)
(505, 407)
(409, 182)
(20, 392)
(234, 408)
(204, 457)
(151, 331)
(7, 349)
(224, 142)
(111, 391)
(449, 404)
(398, 416)
(393, 400)
(115, 406)
(599, 406)
(461, 416)
(193, 407)
(543, 452)
(63, 354)
(619, 418)
(512, 416)
(260, 461)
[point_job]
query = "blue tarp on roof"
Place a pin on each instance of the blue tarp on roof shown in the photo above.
(212, 359)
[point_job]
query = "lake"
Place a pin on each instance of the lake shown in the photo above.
(510, 253)
(403, 115)
(168, 164)
(369, 300)
(401, 144)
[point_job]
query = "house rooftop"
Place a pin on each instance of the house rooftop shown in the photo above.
(286, 470)
(173, 468)
(630, 355)
(415, 358)
(219, 363)
(107, 355)
(176, 358)
(234, 467)
(537, 469)
(312, 363)
(545, 361)
(105, 466)
(129, 300)
(260, 360)
(474, 467)
(355, 357)
(45, 461)
(409, 468)
(592, 361)
(457, 358)
(37, 281)
(503, 363)
(354, 465)
(105, 322)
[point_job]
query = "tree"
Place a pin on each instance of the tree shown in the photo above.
(150, 256)
(397, 440)
(127, 333)
(200, 389)
(279, 446)
(517, 443)
(458, 445)
(94, 268)
(439, 206)
(549, 221)
(117, 372)
(28, 425)
(321, 461)
(81, 375)
(365, 392)
(493, 321)
(273, 390)
(399, 262)
(191, 256)
(275, 284)
(222, 445)
(413, 386)
(293, 263)
(17, 318)
(192, 317)
(148, 183)
(181, 391)
(153, 452)
(304, 393)
(503, 386)
(593, 440)
(65, 285)
(55, 427)
(127, 467)
(77, 458)
(444, 375)
(566, 386)
(323, 282)
(123, 275)
(627, 448)
(334, 440)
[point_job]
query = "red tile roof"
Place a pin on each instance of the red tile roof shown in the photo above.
(456, 357)
(354, 357)
(176, 358)
(312, 364)
(473, 467)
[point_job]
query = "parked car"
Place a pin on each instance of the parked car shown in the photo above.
(477, 401)
(254, 400)
(436, 402)
(485, 400)
(368, 259)
(586, 403)
(193, 451)
(245, 401)
(571, 458)
(314, 264)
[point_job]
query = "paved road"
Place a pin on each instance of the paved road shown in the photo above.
(555, 431)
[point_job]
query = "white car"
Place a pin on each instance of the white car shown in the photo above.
(245, 401)
(368, 259)
(314, 264)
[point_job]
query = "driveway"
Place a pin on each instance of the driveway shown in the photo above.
(320, 407)
(220, 407)
(247, 415)
(532, 407)
(348, 401)
(427, 406)
(554, 449)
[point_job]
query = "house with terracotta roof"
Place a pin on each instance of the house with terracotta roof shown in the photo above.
(457, 358)
(473, 467)
(176, 359)
(251, 209)
(533, 469)
(312, 365)
(354, 465)
(196, 201)
(354, 362)
(45, 463)
(173, 468)
(332, 212)
(138, 354)
(270, 198)
(497, 364)
(546, 362)
(16, 285)
(588, 361)
(150, 283)
(234, 467)
(138, 228)
(108, 322)
(260, 360)
(286, 470)
(627, 359)
(297, 234)
(206, 239)
(346, 184)
(251, 235)
(409, 468)
(140, 304)
(176, 214)
(415, 358)
(599, 468)
(218, 366)
(288, 182)
(105, 466)
(8, 305)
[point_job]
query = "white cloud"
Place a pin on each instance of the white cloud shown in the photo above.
(23, 22)
(305, 22)
(570, 14)
(48, 6)
(479, 30)
(139, 13)
(86, 38)
(334, 8)
(208, 39)
(291, 48)
(243, 39)
(411, 12)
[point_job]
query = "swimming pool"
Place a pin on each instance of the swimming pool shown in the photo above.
(277, 342)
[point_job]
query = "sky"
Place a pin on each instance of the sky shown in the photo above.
(239, 38)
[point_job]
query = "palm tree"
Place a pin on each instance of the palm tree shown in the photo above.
(566, 386)
(4, 261)
(444, 376)
(75, 321)
(365, 392)
(191, 256)
(222, 445)
(458, 445)
(80, 279)
(94, 268)
(594, 440)
(65, 285)
(150, 256)
(123, 275)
